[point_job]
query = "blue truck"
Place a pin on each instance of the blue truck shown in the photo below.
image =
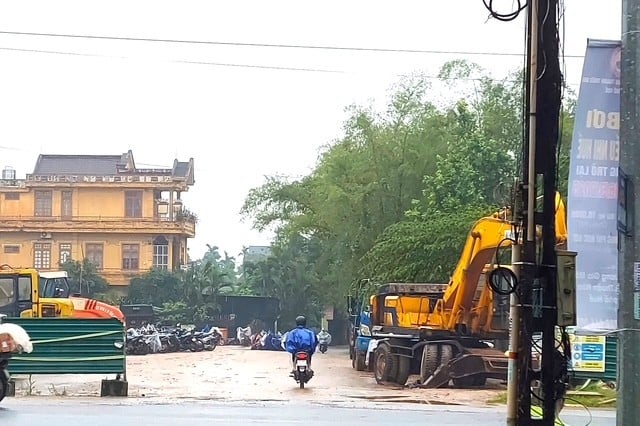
(360, 333)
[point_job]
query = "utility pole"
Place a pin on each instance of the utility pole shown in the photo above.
(537, 289)
(628, 261)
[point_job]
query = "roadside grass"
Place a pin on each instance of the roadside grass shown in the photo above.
(594, 395)
(500, 398)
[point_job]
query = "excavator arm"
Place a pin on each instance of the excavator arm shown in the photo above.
(486, 235)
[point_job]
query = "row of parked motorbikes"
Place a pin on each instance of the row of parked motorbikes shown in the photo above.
(150, 339)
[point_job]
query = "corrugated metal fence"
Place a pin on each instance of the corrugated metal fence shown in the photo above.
(71, 346)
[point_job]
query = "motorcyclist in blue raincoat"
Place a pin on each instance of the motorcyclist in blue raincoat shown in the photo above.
(301, 339)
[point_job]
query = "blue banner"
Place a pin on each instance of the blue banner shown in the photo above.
(593, 187)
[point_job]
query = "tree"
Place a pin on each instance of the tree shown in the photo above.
(288, 275)
(84, 278)
(156, 287)
(190, 295)
(394, 197)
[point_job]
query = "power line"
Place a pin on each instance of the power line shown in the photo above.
(274, 45)
(57, 52)
(271, 67)
(221, 64)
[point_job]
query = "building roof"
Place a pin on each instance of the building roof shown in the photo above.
(105, 165)
(48, 164)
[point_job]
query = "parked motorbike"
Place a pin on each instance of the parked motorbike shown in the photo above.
(210, 339)
(137, 345)
(302, 374)
(190, 342)
(169, 342)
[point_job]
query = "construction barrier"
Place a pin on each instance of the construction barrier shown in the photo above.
(71, 346)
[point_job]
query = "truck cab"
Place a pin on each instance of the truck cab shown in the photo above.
(360, 333)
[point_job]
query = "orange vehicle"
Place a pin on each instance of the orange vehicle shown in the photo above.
(55, 285)
(449, 331)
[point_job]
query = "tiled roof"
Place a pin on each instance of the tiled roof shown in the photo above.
(104, 165)
(48, 164)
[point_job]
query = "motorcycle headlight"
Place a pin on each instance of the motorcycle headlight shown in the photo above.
(364, 330)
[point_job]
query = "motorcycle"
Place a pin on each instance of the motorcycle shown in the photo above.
(4, 375)
(13, 340)
(210, 340)
(302, 374)
(170, 343)
(137, 345)
(189, 342)
(324, 339)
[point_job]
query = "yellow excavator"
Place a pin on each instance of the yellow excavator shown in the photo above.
(20, 297)
(447, 332)
(27, 293)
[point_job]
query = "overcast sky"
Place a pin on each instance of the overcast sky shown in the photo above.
(240, 123)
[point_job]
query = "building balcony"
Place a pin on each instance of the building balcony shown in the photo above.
(181, 224)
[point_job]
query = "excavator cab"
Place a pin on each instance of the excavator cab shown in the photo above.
(54, 285)
(20, 297)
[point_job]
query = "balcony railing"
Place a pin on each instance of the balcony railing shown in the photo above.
(183, 224)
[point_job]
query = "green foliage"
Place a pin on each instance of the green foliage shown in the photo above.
(394, 197)
(155, 287)
(189, 296)
(288, 275)
(425, 249)
(84, 278)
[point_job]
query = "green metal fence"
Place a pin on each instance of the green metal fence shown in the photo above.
(71, 346)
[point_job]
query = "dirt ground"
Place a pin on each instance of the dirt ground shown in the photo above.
(233, 373)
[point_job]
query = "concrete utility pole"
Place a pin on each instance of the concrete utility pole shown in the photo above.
(537, 289)
(628, 410)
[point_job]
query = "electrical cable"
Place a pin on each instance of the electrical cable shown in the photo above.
(258, 66)
(502, 274)
(505, 17)
(583, 406)
(271, 45)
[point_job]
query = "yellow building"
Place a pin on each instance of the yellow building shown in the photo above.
(123, 219)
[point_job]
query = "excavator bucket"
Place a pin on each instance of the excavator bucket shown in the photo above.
(470, 368)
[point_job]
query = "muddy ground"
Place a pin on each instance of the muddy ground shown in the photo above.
(233, 373)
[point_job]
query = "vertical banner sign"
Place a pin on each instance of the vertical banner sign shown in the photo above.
(593, 187)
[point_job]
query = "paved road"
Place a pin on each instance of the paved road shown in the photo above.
(69, 413)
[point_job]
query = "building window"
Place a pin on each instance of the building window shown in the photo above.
(161, 253)
(95, 254)
(133, 203)
(66, 204)
(65, 253)
(43, 203)
(13, 196)
(130, 257)
(42, 255)
(11, 249)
